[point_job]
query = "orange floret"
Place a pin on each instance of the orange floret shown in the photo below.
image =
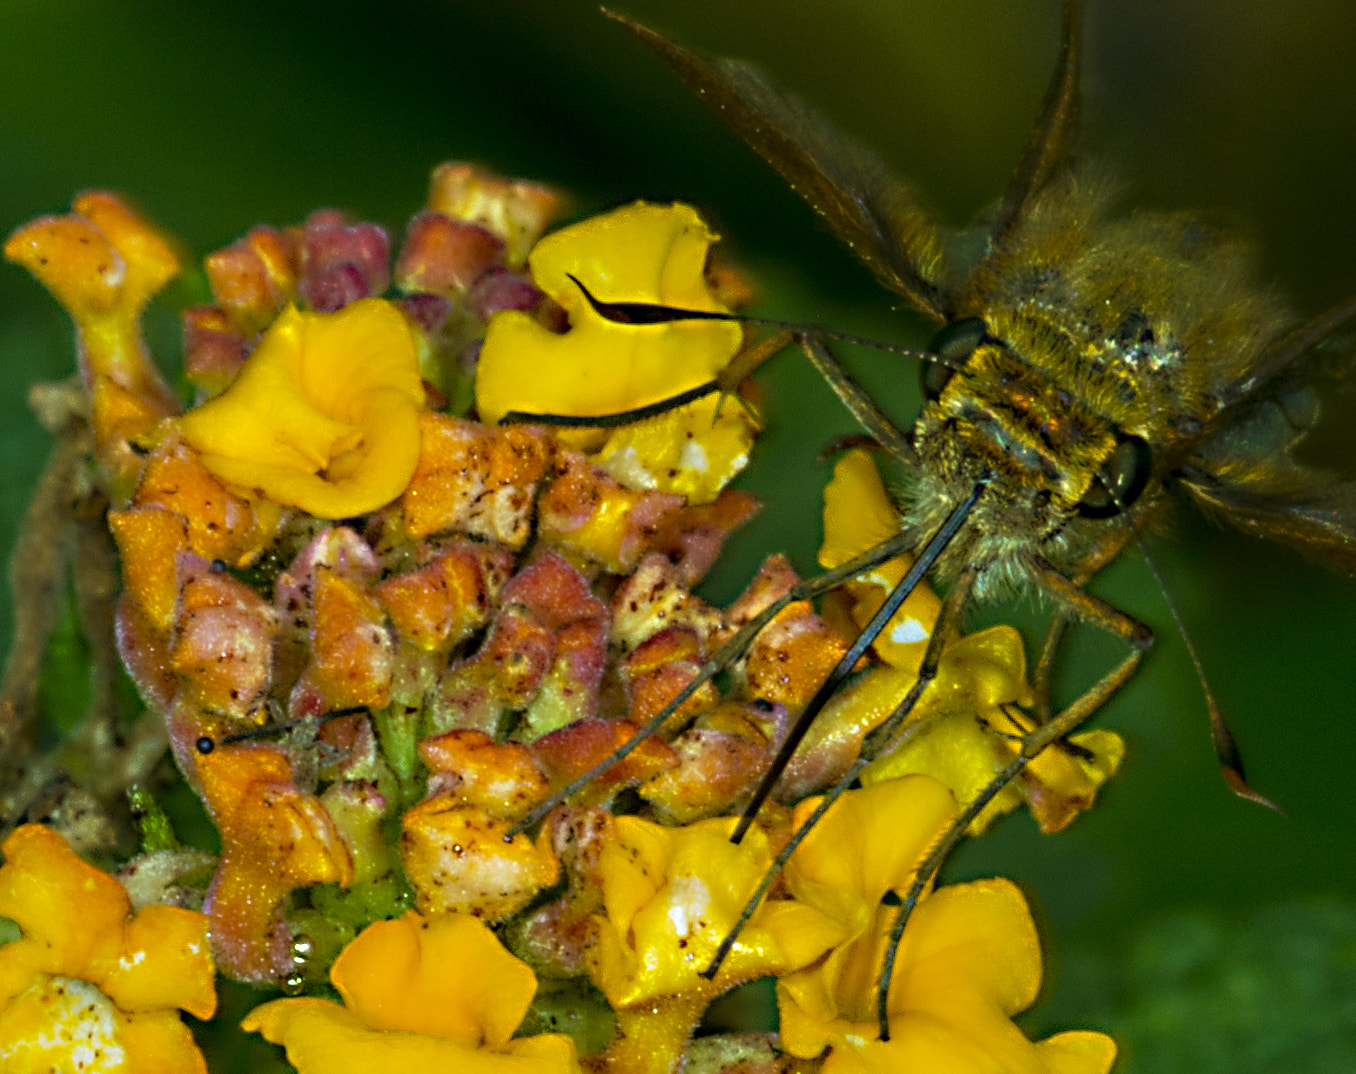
(352, 654)
(452, 843)
(586, 512)
(474, 480)
(274, 838)
(222, 645)
(103, 263)
(254, 277)
(515, 211)
(442, 603)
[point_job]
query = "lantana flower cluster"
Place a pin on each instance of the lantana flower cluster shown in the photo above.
(375, 635)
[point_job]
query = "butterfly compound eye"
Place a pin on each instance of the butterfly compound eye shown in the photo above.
(1121, 479)
(952, 345)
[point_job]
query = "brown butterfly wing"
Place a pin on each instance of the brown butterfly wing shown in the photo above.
(1047, 148)
(1242, 470)
(1317, 518)
(879, 218)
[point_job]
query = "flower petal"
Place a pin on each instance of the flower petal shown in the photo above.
(672, 894)
(974, 939)
(69, 908)
(980, 675)
(324, 1038)
(21, 963)
(165, 961)
(868, 843)
(158, 1042)
(324, 415)
(1078, 1052)
(969, 960)
(61, 1023)
(858, 515)
(394, 976)
(421, 994)
(694, 450)
(639, 253)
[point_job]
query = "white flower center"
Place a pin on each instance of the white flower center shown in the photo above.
(63, 1024)
(909, 630)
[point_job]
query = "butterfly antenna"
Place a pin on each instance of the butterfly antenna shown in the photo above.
(206, 744)
(649, 313)
(1226, 747)
(657, 313)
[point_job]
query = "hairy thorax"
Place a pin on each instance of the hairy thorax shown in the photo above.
(1095, 360)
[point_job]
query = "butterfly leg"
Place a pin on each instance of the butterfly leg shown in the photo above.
(893, 732)
(1082, 574)
(1076, 603)
(855, 398)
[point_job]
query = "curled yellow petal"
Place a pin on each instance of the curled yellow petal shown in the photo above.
(639, 253)
(395, 977)
(1078, 1051)
(968, 962)
(160, 1043)
(420, 994)
(324, 415)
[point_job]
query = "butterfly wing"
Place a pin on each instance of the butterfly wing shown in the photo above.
(1242, 470)
(1315, 515)
(1047, 148)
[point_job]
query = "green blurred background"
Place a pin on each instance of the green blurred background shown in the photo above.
(1213, 934)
